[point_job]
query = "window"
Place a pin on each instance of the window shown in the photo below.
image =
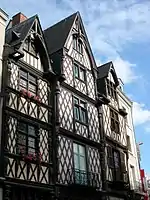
(133, 175)
(79, 163)
(128, 143)
(111, 89)
(76, 71)
(114, 121)
(114, 162)
(80, 112)
(79, 72)
(26, 141)
(29, 45)
(28, 82)
(77, 44)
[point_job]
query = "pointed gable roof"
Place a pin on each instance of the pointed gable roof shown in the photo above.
(57, 34)
(21, 30)
(105, 69)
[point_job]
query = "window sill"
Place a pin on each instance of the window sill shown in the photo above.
(80, 122)
(80, 80)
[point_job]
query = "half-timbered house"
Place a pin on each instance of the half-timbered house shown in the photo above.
(28, 118)
(79, 171)
(115, 135)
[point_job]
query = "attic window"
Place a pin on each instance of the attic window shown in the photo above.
(111, 89)
(30, 46)
(77, 44)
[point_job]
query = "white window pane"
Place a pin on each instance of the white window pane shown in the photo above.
(83, 116)
(82, 163)
(21, 139)
(76, 71)
(32, 88)
(23, 83)
(76, 161)
(31, 130)
(75, 148)
(82, 74)
(81, 150)
(76, 113)
(31, 142)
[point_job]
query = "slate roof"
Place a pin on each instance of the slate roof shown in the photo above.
(104, 70)
(57, 34)
(21, 30)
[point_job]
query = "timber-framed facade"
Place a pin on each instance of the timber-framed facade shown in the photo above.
(79, 170)
(63, 128)
(28, 123)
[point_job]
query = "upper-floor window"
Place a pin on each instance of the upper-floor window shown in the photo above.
(79, 163)
(79, 156)
(80, 111)
(111, 89)
(77, 44)
(27, 139)
(28, 82)
(79, 72)
(114, 162)
(29, 45)
(114, 121)
(128, 143)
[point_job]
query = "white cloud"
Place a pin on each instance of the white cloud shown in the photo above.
(111, 25)
(125, 70)
(141, 115)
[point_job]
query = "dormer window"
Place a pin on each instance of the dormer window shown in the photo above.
(111, 89)
(29, 45)
(77, 44)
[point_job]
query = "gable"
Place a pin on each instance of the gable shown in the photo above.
(78, 32)
(28, 37)
(56, 35)
(59, 35)
(107, 70)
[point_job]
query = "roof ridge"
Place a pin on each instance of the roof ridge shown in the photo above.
(62, 20)
(21, 23)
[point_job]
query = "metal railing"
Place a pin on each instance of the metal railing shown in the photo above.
(82, 177)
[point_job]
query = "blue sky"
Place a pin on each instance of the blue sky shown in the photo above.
(118, 30)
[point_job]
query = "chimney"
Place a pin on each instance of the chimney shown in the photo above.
(18, 18)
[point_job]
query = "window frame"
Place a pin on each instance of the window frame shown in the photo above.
(78, 44)
(28, 81)
(27, 135)
(111, 89)
(114, 121)
(77, 68)
(79, 154)
(80, 172)
(78, 108)
(116, 170)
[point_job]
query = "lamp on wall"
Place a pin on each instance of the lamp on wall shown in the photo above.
(12, 52)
